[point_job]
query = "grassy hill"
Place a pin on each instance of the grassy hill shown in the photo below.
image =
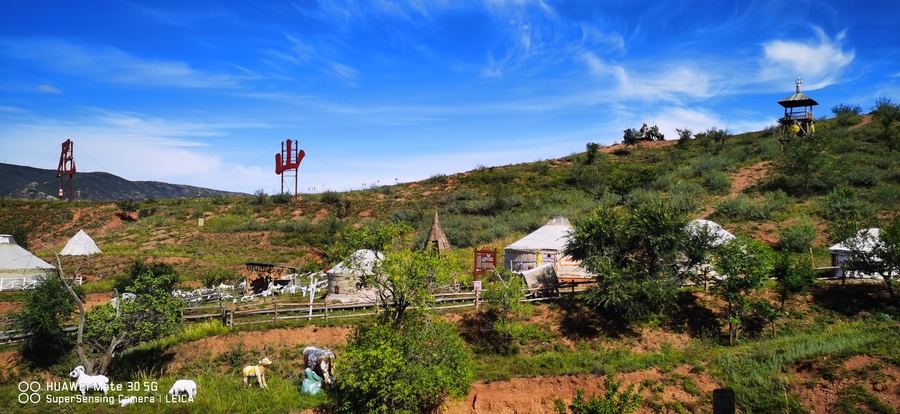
(800, 197)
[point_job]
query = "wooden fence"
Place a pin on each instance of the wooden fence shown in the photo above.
(275, 310)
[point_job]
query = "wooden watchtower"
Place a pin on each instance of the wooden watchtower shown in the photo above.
(798, 120)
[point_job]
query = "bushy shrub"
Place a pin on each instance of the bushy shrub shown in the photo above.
(413, 368)
(797, 238)
(213, 277)
(259, 198)
(863, 177)
(282, 198)
(44, 310)
(163, 272)
(717, 182)
(331, 197)
(746, 208)
(846, 115)
(842, 203)
(709, 163)
(612, 401)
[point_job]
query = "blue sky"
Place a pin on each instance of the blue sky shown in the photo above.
(378, 92)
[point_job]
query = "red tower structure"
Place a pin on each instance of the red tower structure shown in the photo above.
(287, 161)
(66, 167)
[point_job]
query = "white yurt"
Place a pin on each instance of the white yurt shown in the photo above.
(343, 278)
(545, 245)
(18, 267)
(864, 240)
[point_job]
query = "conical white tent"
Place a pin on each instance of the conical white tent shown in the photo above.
(80, 245)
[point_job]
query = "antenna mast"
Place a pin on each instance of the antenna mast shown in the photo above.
(66, 167)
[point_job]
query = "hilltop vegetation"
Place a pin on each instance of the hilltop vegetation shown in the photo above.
(794, 200)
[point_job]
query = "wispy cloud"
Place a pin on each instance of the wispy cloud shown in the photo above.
(303, 54)
(109, 64)
(48, 89)
(820, 60)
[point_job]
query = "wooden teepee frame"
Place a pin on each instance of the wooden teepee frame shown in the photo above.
(437, 239)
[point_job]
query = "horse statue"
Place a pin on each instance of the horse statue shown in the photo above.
(319, 361)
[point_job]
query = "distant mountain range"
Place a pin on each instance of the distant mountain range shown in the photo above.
(22, 182)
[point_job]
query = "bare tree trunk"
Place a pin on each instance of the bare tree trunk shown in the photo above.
(79, 343)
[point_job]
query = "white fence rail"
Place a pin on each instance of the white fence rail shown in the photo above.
(25, 282)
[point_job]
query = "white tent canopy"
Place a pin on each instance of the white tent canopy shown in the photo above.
(552, 236)
(18, 263)
(80, 245)
(545, 245)
(720, 235)
(863, 241)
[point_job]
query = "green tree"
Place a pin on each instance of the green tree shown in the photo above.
(846, 115)
(684, 137)
(630, 138)
(152, 314)
(697, 248)
(413, 368)
(126, 207)
(163, 271)
(793, 276)
(44, 311)
(633, 255)
(886, 114)
(744, 266)
(592, 148)
(803, 167)
(502, 299)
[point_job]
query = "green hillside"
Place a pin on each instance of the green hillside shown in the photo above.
(798, 197)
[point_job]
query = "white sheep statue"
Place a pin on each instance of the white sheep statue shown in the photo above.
(87, 382)
(258, 371)
(184, 387)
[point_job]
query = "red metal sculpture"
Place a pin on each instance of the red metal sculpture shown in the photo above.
(289, 160)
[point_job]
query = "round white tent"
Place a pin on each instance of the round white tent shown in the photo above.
(19, 269)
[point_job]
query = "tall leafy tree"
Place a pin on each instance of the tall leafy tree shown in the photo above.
(404, 361)
(153, 313)
(44, 311)
(744, 266)
(887, 115)
(633, 255)
(405, 277)
(793, 277)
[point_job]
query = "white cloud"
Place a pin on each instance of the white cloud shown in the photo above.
(108, 64)
(672, 84)
(48, 89)
(820, 60)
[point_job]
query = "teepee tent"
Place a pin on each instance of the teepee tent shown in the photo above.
(18, 267)
(437, 239)
(80, 245)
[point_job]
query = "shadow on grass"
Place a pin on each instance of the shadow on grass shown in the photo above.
(853, 299)
(693, 318)
(579, 321)
(477, 329)
(142, 362)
